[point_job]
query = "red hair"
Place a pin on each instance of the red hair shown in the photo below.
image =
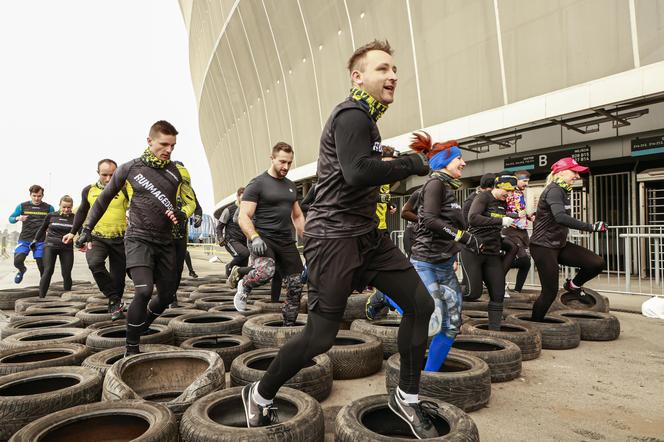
(422, 143)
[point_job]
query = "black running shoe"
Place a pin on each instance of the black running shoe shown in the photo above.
(376, 306)
(131, 350)
(574, 290)
(415, 415)
(193, 274)
(257, 415)
(116, 310)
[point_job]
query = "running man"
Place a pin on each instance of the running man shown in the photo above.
(55, 227)
(107, 238)
(344, 249)
(154, 183)
(231, 237)
(268, 212)
(32, 214)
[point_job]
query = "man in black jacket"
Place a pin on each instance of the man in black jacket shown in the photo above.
(344, 249)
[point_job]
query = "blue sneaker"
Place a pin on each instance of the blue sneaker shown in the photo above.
(19, 277)
(375, 306)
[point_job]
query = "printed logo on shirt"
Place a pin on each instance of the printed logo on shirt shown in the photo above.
(455, 206)
(377, 147)
(147, 185)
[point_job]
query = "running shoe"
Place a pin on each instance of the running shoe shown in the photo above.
(574, 290)
(375, 306)
(415, 415)
(240, 299)
(131, 350)
(233, 277)
(193, 274)
(507, 291)
(116, 310)
(19, 277)
(257, 415)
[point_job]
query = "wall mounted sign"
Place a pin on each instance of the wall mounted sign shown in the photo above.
(542, 162)
(647, 146)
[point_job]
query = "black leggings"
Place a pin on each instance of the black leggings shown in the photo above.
(19, 263)
(187, 260)
(145, 308)
(275, 287)
(66, 264)
(240, 254)
(487, 269)
(111, 282)
(547, 261)
(180, 256)
(407, 290)
(511, 261)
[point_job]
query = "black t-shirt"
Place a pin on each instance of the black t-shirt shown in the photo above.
(274, 200)
(55, 226)
(485, 220)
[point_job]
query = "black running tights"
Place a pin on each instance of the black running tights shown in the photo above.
(19, 263)
(547, 261)
(145, 308)
(407, 290)
(66, 264)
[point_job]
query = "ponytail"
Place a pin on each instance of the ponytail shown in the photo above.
(550, 178)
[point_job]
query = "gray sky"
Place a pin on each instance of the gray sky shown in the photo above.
(82, 80)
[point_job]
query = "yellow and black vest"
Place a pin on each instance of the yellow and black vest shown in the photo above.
(113, 223)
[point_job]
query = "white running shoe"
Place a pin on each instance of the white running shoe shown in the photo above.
(240, 299)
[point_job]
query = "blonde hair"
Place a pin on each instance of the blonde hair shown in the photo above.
(550, 178)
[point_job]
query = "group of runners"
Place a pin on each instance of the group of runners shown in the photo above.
(345, 248)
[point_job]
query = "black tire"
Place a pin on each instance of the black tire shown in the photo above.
(45, 337)
(527, 337)
(355, 307)
(56, 305)
(475, 314)
(39, 323)
(267, 330)
(140, 422)
(8, 297)
(27, 396)
(103, 360)
(104, 324)
(200, 324)
(219, 417)
(228, 347)
(22, 359)
(269, 306)
(479, 305)
(116, 336)
(36, 311)
(22, 304)
(369, 419)
(315, 378)
(355, 355)
(558, 333)
(592, 301)
(173, 378)
(386, 330)
(213, 287)
(502, 356)
(79, 296)
(463, 380)
(207, 302)
(595, 326)
(229, 307)
(170, 313)
(92, 315)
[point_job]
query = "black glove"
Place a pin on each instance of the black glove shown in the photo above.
(223, 242)
(419, 164)
(198, 220)
(385, 198)
(472, 243)
(599, 226)
(181, 217)
(258, 246)
(84, 237)
(33, 245)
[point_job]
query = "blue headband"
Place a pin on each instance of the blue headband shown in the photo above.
(444, 157)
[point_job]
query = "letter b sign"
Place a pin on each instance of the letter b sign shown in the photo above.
(542, 160)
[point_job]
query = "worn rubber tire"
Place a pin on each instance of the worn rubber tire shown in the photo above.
(502, 356)
(386, 330)
(479, 305)
(45, 337)
(355, 306)
(36, 311)
(373, 410)
(592, 301)
(27, 396)
(98, 421)
(265, 330)
(8, 297)
(252, 309)
(22, 359)
(103, 360)
(170, 313)
(92, 315)
(23, 304)
(595, 326)
(228, 347)
(207, 323)
(314, 379)
(268, 306)
(307, 425)
(207, 302)
(355, 355)
(56, 305)
(528, 338)
(468, 388)
(213, 287)
(115, 336)
(79, 296)
(558, 332)
(475, 314)
(40, 323)
(158, 374)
